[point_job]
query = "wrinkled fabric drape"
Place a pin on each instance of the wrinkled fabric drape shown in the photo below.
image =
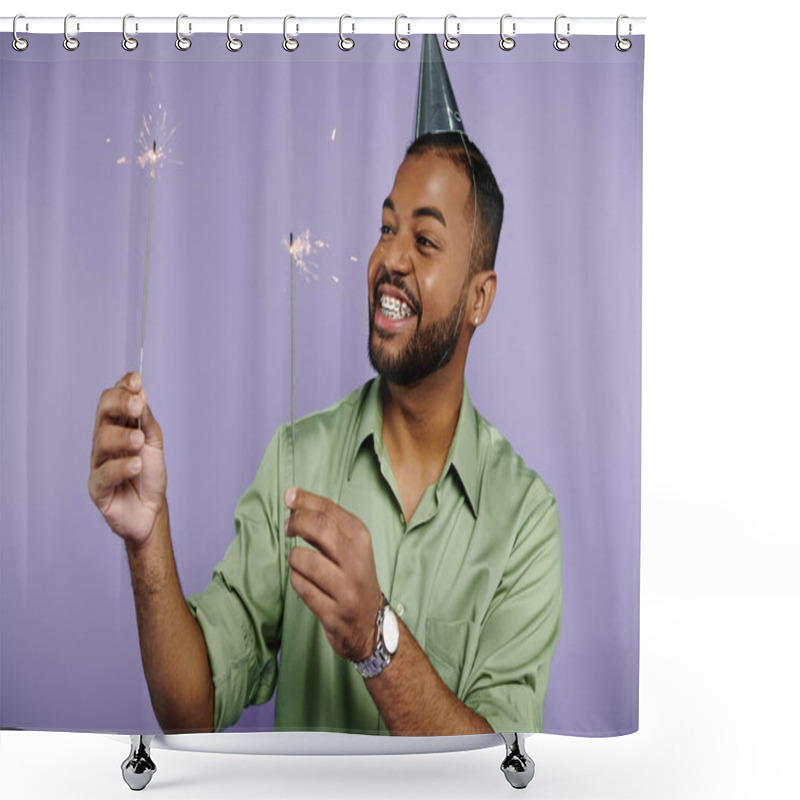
(257, 144)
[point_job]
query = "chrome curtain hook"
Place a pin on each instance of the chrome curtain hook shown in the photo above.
(18, 43)
(181, 42)
(400, 42)
(561, 43)
(289, 44)
(128, 42)
(233, 44)
(345, 43)
(623, 45)
(70, 42)
(507, 42)
(451, 42)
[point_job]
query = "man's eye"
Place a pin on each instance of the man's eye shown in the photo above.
(426, 242)
(385, 229)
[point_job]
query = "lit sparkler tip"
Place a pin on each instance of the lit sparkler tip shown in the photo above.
(302, 252)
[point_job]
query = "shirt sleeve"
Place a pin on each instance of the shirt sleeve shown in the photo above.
(241, 610)
(509, 678)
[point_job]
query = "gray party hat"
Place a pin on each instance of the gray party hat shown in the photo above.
(437, 111)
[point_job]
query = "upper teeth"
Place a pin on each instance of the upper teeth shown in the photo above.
(394, 308)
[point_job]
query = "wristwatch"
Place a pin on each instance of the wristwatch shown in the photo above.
(388, 639)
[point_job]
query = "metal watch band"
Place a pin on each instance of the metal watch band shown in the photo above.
(380, 657)
(375, 664)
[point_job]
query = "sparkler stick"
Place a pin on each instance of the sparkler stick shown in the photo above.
(291, 272)
(302, 250)
(153, 157)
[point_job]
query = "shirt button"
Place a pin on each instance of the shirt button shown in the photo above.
(400, 609)
(402, 518)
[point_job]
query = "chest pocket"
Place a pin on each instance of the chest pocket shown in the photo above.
(448, 645)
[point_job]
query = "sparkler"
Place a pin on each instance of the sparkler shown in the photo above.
(153, 158)
(301, 248)
(304, 248)
(291, 273)
(154, 127)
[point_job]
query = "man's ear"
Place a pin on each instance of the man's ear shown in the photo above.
(484, 286)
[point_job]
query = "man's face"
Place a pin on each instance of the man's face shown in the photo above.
(418, 273)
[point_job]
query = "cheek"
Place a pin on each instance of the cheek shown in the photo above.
(372, 269)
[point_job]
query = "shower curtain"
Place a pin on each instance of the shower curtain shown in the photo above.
(243, 332)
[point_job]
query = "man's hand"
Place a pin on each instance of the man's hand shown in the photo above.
(338, 581)
(120, 452)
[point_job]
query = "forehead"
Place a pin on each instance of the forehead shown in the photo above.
(431, 180)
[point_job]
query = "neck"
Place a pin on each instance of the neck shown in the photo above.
(419, 419)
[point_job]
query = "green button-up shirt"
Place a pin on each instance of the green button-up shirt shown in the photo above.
(475, 575)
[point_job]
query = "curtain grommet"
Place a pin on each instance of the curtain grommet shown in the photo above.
(181, 41)
(400, 42)
(18, 43)
(507, 42)
(622, 44)
(289, 43)
(233, 44)
(561, 43)
(451, 42)
(345, 42)
(70, 42)
(129, 43)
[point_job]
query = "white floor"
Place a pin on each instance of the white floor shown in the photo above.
(719, 701)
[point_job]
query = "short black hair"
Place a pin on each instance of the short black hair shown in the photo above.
(490, 199)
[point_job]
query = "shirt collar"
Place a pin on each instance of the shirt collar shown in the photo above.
(463, 454)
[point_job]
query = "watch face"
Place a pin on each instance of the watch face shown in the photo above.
(391, 631)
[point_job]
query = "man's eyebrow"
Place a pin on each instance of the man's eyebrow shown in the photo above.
(425, 211)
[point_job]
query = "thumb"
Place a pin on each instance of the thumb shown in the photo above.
(150, 427)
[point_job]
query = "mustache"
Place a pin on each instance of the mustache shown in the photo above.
(398, 283)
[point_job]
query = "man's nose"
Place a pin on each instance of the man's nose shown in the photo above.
(396, 255)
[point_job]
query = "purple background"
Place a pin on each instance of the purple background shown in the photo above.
(556, 368)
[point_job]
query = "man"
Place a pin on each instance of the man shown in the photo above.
(428, 554)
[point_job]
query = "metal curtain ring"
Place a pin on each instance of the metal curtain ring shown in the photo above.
(400, 42)
(181, 42)
(451, 42)
(18, 43)
(233, 44)
(128, 42)
(561, 43)
(289, 44)
(345, 43)
(623, 45)
(506, 42)
(70, 42)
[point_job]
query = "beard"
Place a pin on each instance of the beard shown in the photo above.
(429, 349)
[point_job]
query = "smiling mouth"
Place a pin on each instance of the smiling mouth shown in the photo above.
(395, 309)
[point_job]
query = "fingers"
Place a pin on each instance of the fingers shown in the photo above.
(131, 381)
(121, 402)
(317, 529)
(151, 429)
(319, 603)
(120, 410)
(110, 474)
(113, 441)
(126, 403)
(295, 498)
(316, 569)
